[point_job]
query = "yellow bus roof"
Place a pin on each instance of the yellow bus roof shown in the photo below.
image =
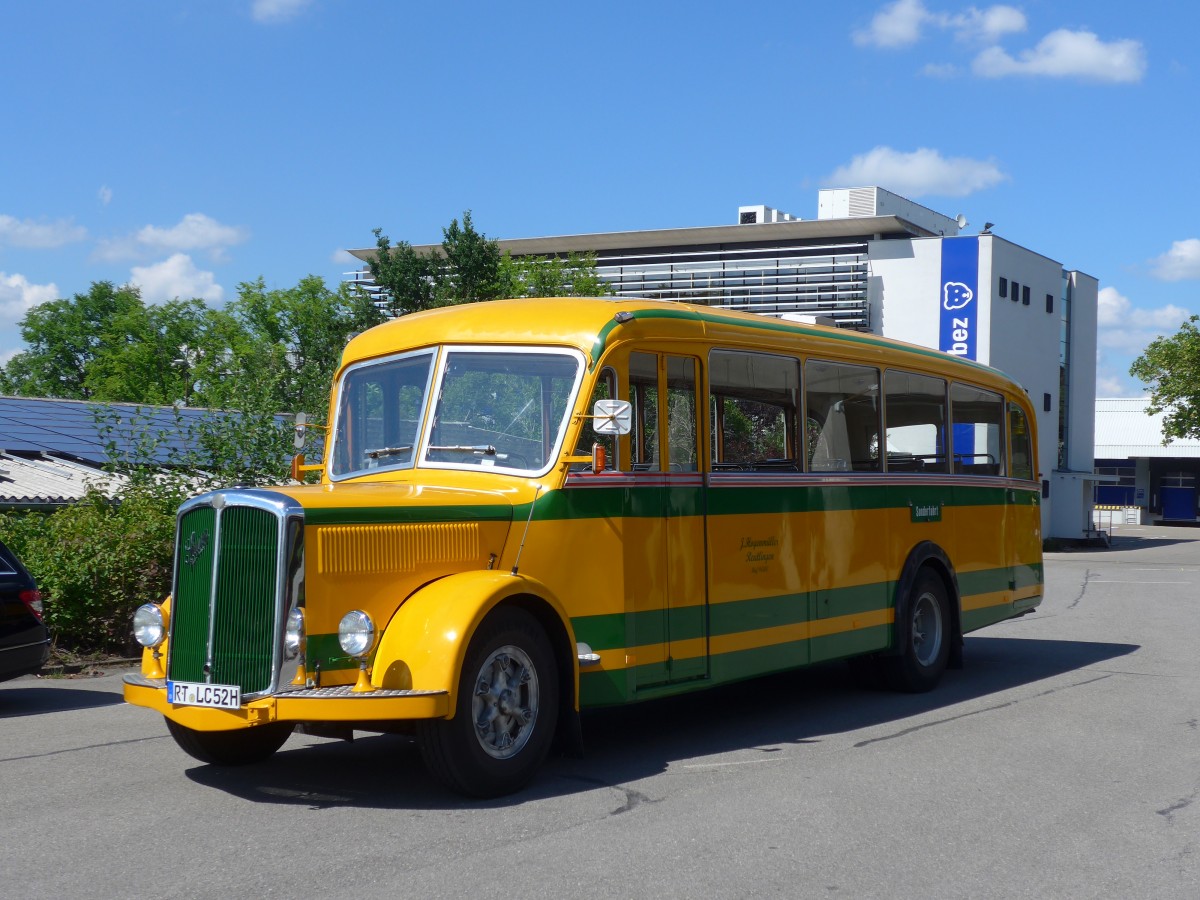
(588, 324)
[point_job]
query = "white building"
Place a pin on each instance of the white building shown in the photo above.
(874, 261)
(1159, 480)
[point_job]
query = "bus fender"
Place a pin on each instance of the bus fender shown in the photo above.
(929, 554)
(424, 644)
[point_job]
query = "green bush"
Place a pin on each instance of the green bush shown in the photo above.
(97, 561)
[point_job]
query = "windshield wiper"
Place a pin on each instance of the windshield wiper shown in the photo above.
(482, 449)
(388, 451)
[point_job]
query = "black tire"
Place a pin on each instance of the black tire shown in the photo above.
(506, 712)
(230, 748)
(924, 631)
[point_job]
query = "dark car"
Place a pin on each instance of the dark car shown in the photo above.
(24, 641)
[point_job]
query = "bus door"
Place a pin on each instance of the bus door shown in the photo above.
(664, 545)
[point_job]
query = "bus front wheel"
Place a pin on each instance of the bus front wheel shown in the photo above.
(230, 748)
(923, 636)
(506, 711)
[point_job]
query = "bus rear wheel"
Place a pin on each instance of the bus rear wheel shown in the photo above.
(230, 748)
(923, 636)
(506, 712)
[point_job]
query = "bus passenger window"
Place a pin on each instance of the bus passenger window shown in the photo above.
(643, 394)
(843, 417)
(1019, 443)
(978, 432)
(606, 389)
(681, 413)
(753, 411)
(915, 411)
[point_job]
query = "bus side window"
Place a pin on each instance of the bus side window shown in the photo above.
(1019, 443)
(753, 410)
(843, 414)
(681, 414)
(915, 410)
(978, 430)
(606, 389)
(643, 394)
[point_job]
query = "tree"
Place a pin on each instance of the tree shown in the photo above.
(64, 338)
(1171, 368)
(408, 277)
(535, 276)
(471, 271)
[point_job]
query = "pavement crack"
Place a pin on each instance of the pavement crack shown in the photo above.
(1087, 577)
(84, 747)
(633, 799)
(976, 712)
(1168, 812)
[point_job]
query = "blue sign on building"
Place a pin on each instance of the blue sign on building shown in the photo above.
(959, 296)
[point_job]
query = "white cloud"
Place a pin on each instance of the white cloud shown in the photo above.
(923, 171)
(896, 25)
(39, 235)
(176, 277)
(1110, 383)
(988, 25)
(1128, 329)
(18, 295)
(940, 70)
(277, 10)
(195, 231)
(343, 258)
(900, 24)
(1180, 263)
(1068, 54)
(105, 194)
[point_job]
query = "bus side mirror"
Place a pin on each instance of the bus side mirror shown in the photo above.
(612, 417)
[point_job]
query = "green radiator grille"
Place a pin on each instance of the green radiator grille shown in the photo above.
(237, 608)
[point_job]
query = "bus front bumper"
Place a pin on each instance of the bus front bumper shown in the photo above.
(332, 704)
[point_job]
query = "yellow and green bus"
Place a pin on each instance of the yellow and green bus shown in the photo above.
(530, 507)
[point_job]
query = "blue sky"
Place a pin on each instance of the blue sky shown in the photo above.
(188, 146)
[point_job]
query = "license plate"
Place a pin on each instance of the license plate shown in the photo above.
(219, 696)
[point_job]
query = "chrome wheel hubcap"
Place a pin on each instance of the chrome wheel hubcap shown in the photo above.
(927, 629)
(505, 706)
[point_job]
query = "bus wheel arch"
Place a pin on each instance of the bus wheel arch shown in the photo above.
(927, 635)
(505, 716)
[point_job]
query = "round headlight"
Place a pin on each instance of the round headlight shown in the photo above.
(293, 635)
(149, 625)
(356, 633)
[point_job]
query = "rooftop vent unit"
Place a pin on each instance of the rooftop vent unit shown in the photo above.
(758, 215)
(850, 203)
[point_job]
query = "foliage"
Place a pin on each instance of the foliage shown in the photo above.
(1171, 368)
(96, 562)
(270, 348)
(533, 276)
(65, 337)
(470, 268)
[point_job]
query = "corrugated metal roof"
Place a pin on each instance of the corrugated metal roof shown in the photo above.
(46, 480)
(1125, 429)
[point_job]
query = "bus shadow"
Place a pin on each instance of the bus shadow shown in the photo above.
(626, 744)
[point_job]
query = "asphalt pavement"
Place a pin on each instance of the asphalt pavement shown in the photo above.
(1062, 761)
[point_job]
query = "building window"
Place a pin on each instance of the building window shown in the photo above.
(1046, 401)
(1003, 287)
(1025, 295)
(1049, 303)
(748, 218)
(1016, 292)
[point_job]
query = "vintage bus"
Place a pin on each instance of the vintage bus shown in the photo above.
(530, 507)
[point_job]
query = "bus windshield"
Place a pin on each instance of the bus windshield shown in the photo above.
(497, 409)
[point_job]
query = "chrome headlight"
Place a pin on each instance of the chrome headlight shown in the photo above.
(293, 635)
(356, 633)
(149, 625)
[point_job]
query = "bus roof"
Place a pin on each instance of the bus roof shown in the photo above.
(590, 324)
